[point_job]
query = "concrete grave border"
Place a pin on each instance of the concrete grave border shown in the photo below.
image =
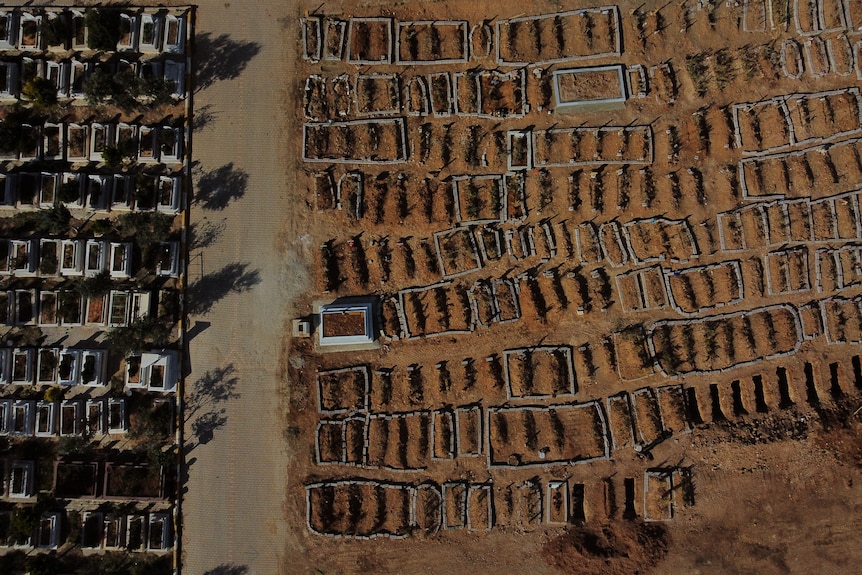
(646, 159)
(574, 105)
(768, 257)
(364, 369)
(387, 59)
(341, 27)
(567, 350)
(617, 51)
(399, 122)
(316, 52)
(396, 78)
(595, 404)
(465, 47)
(794, 312)
(735, 265)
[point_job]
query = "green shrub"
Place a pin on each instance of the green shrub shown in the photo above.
(54, 220)
(53, 393)
(103, 28)
(101, 226)
(140, 334)
(95, 286)
(112, 156)
(69, 192)
(146, 227)
(56, 31)
(41, 91)
(12, 137)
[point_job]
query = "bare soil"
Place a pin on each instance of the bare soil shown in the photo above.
(725, 419)
(344, 324)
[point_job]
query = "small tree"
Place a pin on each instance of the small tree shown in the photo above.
(152, 423)
(126, 91)
(122, 89)
(103, 27)
(101, 226)
(99, 87)
(70, 306)
(56, 31)
(44, 564)
(69, 192)
(54, 220)
(48, 262)
(112, 156)
(158, 458)
(53, 394)
(138, 335)
(146, 227)
(12, 136)
(159, 91)
(95, 286)
(41, 91)
(24, 522)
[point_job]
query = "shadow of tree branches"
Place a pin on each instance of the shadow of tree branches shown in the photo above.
(203, 117)
(205, 233)
(228, 569)
(220, 58)
(204, 400)
(206, 424)
(217, 188)
(211, 288)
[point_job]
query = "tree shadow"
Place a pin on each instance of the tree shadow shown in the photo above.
(203, 400)
(206, 424)
(205, 233)
(213, 287)
(203, 117)
(217, 188)
(215, 386)
(220, 58)
(228, 569)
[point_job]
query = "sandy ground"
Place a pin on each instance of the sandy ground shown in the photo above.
(233, 506)
(777, 505)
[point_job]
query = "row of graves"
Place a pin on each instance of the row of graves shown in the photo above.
(67, 45)
(93, 193)
(546, 255)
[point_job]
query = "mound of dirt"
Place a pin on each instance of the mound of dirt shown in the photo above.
(845, 443)
(624, 548)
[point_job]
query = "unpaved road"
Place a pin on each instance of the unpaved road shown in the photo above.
(241, 283)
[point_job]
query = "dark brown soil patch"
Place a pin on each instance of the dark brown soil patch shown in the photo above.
(344, 324)
(624, 548)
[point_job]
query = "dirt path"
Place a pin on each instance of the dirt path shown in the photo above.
(240, 289)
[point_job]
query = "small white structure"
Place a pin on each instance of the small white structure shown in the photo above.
(5, 416)
(115, 532)
(71, 257)
(120, 260)
(71, 417)
(159, 532)
(117, 422)
(46, 419)
(93, 367)
(577, 89)
(168, 260)
(347, 323)
(21, 479)
(92, 526)
(153, 371)
(69, 367)
(49, 531)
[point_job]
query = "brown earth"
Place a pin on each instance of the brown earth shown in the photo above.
(774, 458)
